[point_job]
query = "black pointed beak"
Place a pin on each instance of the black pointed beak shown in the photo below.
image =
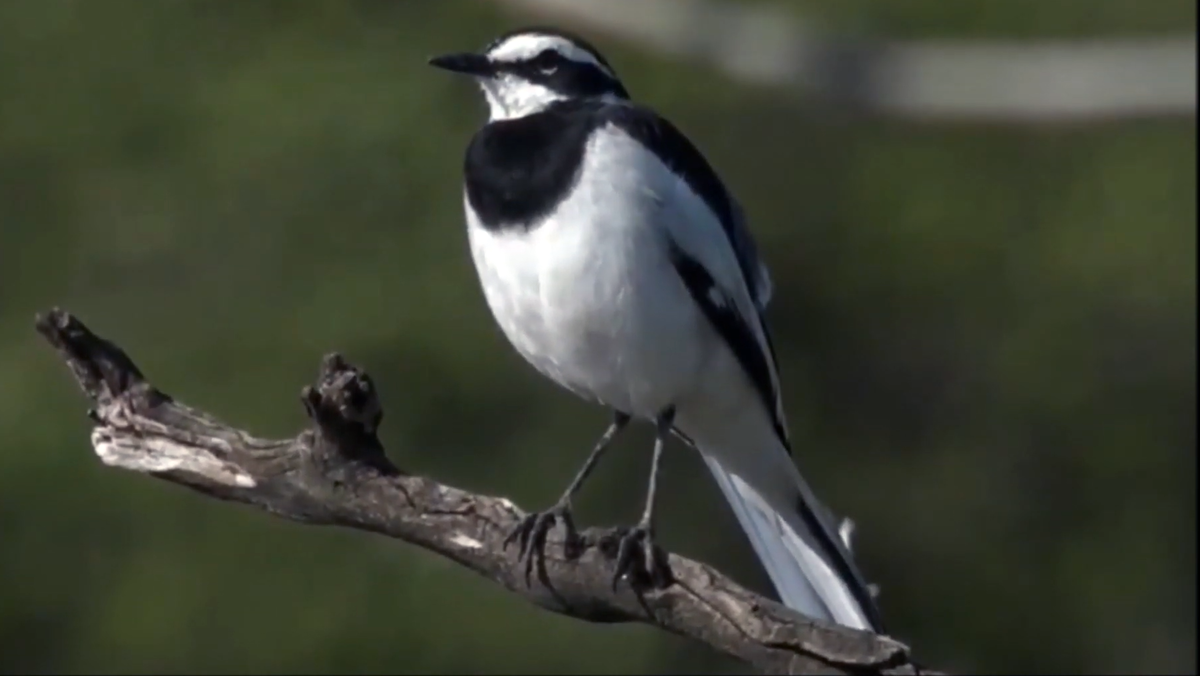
(466, 63)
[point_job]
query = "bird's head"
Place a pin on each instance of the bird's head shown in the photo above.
(524, 71)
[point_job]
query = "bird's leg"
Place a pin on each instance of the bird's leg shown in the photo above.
(636, 549)
(531, 531)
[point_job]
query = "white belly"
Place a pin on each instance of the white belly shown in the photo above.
(593, 302)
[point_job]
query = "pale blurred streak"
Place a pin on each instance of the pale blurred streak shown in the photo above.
(952, 80)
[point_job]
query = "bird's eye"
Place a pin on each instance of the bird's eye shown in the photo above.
(546, 62)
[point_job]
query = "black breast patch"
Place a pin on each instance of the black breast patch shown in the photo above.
(518, 170)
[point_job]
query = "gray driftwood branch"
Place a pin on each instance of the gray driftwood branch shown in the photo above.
(335, 472)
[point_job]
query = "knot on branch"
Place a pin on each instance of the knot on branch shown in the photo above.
(345, 410)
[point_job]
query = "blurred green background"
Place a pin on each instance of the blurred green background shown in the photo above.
(986, 333)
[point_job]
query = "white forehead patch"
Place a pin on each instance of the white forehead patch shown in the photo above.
(529, 45)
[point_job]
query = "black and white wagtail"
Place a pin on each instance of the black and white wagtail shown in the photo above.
(619, 266)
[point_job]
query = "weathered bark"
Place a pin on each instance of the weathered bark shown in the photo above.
(335, 473)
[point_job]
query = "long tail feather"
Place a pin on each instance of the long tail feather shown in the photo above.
(811, 569)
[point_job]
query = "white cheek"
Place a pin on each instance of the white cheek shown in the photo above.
(529, 99)
(508, 98)
(496, 107)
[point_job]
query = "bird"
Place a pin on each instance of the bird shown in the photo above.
(619, 265)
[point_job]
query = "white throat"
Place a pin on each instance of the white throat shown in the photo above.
(509, 98)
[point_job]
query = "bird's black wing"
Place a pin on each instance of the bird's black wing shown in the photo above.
(740, 327)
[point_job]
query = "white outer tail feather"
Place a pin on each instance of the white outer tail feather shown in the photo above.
(789, 551)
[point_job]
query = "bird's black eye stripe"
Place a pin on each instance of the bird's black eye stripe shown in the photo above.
(552, 69)
(544, 62)
(547, 58)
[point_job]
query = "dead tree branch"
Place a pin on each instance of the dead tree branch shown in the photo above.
(335, 473)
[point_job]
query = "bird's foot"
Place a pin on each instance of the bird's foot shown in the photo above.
(640, 561)
(530, 535)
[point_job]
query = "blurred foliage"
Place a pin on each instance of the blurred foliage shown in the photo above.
(987, 337)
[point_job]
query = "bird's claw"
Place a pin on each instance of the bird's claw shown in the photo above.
(530, 534)
(640, 561)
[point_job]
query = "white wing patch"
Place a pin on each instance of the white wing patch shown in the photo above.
(765, 287)
(742, 239)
